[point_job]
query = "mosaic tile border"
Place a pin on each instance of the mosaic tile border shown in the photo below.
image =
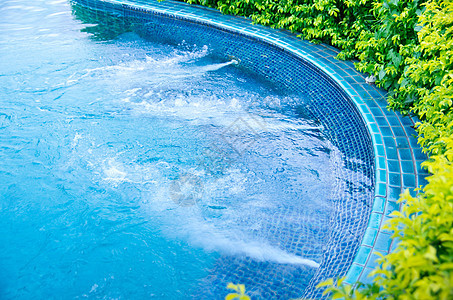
(397, 154)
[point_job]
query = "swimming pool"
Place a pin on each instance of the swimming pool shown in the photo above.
(142, 161)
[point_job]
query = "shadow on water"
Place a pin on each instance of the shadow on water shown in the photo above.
(101, 26)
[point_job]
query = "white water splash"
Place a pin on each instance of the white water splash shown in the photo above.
(212, 239)
(191, 224)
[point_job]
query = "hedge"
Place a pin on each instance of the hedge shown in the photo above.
(408, 46)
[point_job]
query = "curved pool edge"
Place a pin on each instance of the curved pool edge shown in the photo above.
(396, 152)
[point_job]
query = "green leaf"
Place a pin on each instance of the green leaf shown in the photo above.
(381, 74)
(231, 296)
(232, 286)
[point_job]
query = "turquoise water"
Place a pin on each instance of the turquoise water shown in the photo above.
(130, 168)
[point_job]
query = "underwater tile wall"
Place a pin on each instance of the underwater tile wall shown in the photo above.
(379, 143)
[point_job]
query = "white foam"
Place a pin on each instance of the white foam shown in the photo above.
(215, 67)
(140, 70)
(219, 234)
(214, 240)
(222, 235)
(76, 139)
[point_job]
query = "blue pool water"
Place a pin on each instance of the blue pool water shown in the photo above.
(130, 168)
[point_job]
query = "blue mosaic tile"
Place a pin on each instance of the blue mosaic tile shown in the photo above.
(376, 94)
(410, 131)
(409, 181)
(368, 117)
(381, 176)
(363, 255)
(381, 189)
(379, 205)
(375, 221)
(401, 142)
(398, 131)
(392, 153)
(377, 112)
(382, 103)
(383, 242)
(385, 220)
(394, 193)
(354, 273)
(372, 261)
(365, 278)
(351, 91)
(374, 128)
(386, 131)
(422, 180)
(389, 142)
(364, 109)
(413, 142)
(394, 179)
(370, 237)
(377, 138)
(409, 122)
(381, 163)
(380, 151)
(407, 166)
(341, 72)
(405, 154)
(391, 207)
(394, 166)
(362, 93)
(393, 121)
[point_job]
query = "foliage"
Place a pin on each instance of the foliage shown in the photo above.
(408, 46)
(240, 292)
(338, 290)
(431, 76)
(387, 48)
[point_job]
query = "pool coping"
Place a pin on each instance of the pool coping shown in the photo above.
(397, 155)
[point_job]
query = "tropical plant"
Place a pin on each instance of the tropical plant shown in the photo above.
(240, 292)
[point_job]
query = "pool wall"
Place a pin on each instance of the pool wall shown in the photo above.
(384, 141)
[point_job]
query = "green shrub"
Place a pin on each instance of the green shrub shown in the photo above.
(386, 49)
(431, 76)
(239, 292)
